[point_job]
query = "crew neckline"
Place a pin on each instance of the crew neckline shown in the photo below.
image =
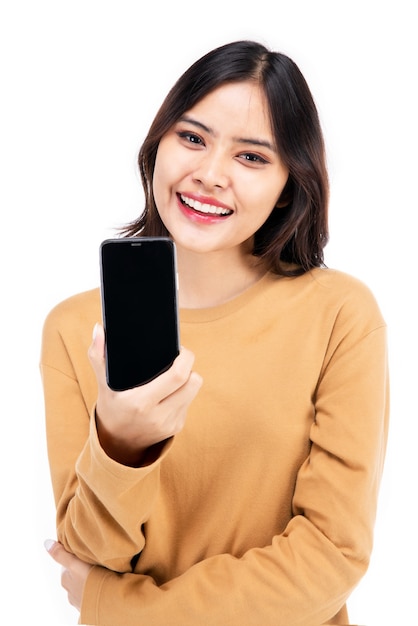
(228, 307)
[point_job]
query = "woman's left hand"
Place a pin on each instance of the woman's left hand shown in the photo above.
(74, 573)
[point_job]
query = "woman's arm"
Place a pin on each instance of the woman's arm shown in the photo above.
(92, 490)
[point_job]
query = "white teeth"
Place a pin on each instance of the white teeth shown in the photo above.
(204, 208)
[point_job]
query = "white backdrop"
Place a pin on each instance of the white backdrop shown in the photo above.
(80, 83)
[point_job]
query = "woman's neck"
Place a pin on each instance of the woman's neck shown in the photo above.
(207, 280)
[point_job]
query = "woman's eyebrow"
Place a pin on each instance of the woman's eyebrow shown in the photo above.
(256, 142)
(244, 140)
(190, 120)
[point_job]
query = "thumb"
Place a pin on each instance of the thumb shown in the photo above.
(59, 553)
(97, 349)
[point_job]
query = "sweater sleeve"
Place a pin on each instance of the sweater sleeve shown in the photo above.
(304, 576)
(91, 491)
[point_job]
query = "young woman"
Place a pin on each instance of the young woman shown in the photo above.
(240, 486)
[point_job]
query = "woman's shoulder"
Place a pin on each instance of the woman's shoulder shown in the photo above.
(326, 292)
(76, 310)
(323, 282)
(348, 293)
(67, 331)
(338, 281)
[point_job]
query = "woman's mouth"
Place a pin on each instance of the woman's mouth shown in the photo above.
(204, 208)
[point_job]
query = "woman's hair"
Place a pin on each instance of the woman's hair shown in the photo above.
(296, 231)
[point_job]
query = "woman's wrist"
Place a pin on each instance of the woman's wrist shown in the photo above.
(124, 453)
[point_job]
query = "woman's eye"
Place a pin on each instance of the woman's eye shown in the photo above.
(190, 137)
(253, 158)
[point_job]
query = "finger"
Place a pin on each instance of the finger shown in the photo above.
(185, 394)
(164, 385)
(59, 553)
(173, 379)
(96, 352)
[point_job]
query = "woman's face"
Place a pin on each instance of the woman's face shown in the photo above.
(218, 173)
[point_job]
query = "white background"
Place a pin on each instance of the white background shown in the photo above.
(80, 83)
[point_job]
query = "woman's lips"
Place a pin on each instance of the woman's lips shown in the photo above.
(204, 207)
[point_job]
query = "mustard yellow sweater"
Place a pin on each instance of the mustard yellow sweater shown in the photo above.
(261, 511)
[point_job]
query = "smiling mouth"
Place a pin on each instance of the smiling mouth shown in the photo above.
(207, 209)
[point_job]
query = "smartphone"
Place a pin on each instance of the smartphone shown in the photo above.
(140, 309)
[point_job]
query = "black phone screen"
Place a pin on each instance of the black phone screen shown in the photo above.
(140, 310)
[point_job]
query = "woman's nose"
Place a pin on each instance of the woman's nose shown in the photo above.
(212, 171)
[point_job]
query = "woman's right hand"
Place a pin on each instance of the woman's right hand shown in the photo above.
(133, 424)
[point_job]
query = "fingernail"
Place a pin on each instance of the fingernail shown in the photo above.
(95, 331)
(49, 543)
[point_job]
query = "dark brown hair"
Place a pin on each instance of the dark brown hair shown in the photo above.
(296, 232)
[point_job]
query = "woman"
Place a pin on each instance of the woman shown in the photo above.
(240, 486)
